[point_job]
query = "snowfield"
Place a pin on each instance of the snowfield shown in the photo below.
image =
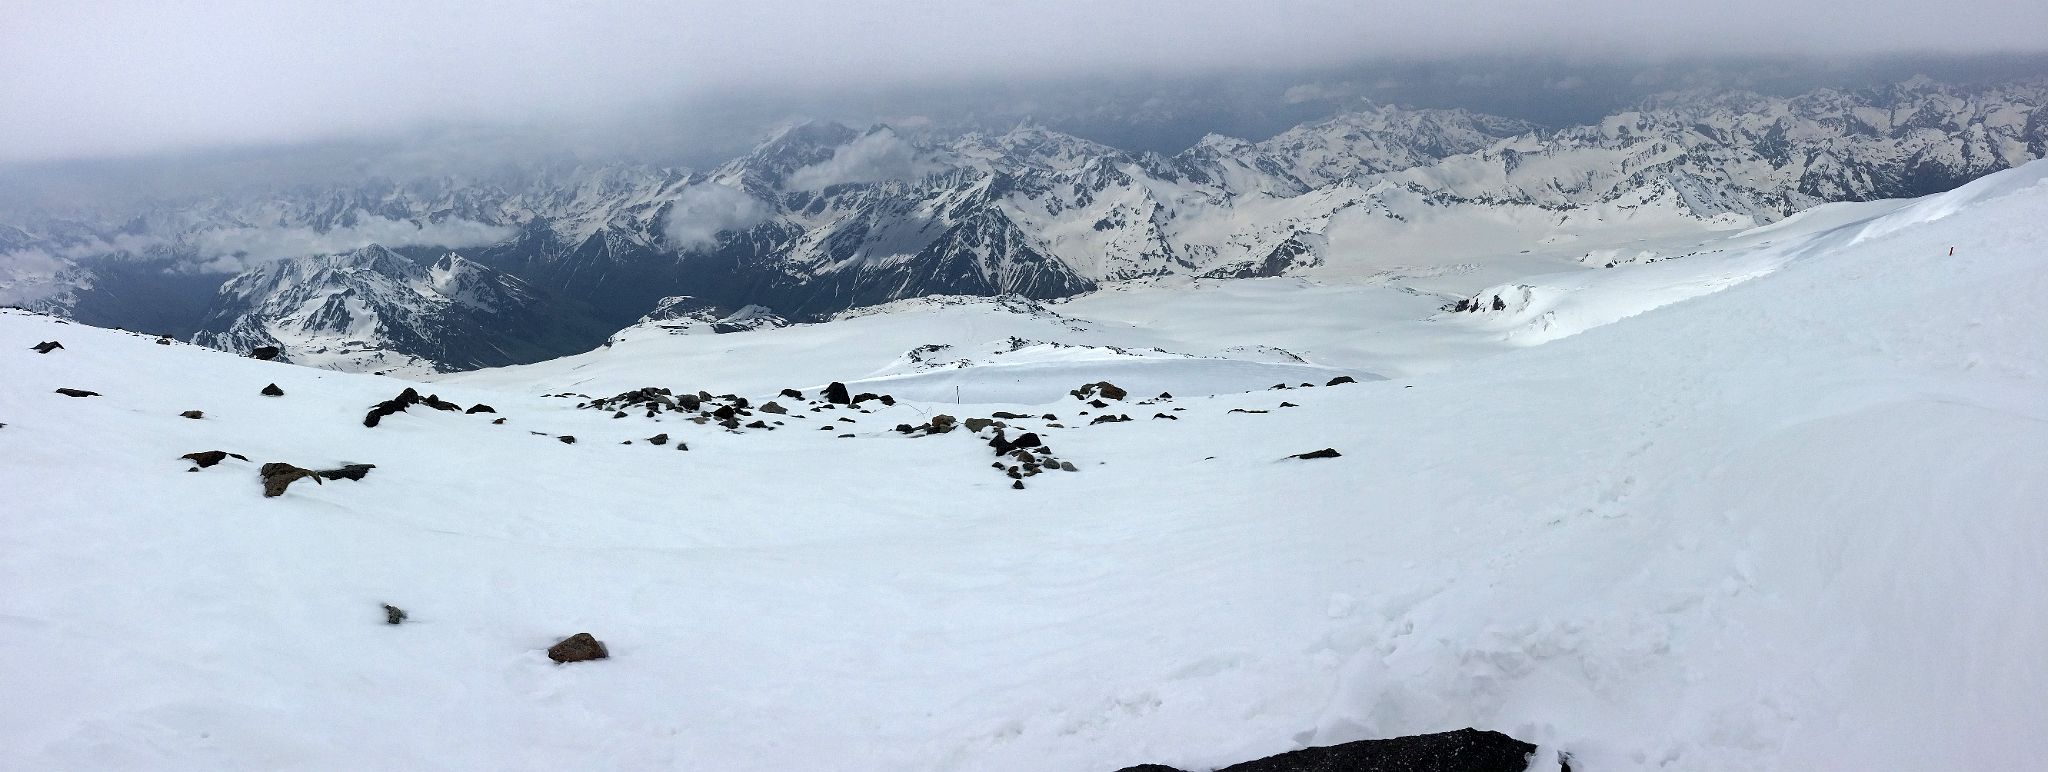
(1795, 522)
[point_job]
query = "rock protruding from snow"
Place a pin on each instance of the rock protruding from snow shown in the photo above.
(1465, 750)
(581, 647)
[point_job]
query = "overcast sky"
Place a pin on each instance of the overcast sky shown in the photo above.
(86, 78)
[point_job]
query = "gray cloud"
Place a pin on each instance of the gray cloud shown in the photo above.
(101, 77)
(701, 212)
(873, 157)
(231, 250)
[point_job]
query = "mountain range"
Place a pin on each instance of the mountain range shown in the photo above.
(450, 273)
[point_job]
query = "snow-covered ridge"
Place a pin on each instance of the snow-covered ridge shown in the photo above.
(1763, 529)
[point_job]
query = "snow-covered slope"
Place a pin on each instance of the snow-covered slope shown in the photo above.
(1793, 524)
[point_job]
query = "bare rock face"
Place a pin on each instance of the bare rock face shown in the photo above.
(273, 391)
(581, 647)
(1465, 750)
(47, 346)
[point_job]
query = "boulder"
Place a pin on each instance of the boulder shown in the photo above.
(1341, 379)
(659, 439)
(479, 408)
(207, 458)
(792, 394)
(772, 407)
(977, 424)
(836, 394)
(277, 476)
(77, 393)
(346, 472)
(942, 423)
(436, 402)
(393, 614)
(47, 346)
(1103, 389)
(194, 414)
(273, 391)
(581, 647)
(567, 439)
(1324, 453)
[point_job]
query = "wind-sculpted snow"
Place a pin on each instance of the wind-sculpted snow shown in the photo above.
(1794, 524)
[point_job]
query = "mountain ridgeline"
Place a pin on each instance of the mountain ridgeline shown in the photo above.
(448, 273)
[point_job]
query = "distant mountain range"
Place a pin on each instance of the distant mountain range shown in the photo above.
(448, 273)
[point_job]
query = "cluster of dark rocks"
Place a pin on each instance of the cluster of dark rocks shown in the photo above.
(278, 475)
(411, 397)
(1025, 455)
(1465, 750)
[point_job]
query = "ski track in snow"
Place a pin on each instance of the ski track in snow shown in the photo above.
(1793, 524)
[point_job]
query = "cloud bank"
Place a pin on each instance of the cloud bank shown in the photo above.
(873, 157)
(112, 77)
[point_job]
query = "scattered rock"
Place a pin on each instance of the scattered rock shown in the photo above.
(977, 424)
(1027, 440)
(1341, 379)
(1169, 417)
(581, 647)
(393, 614)
(942, 423)
(194, 414)
(1324, 453)
(1068, 466)
(499, 421)
(775, 408)
(436, 402)
(1007, 416)
(836, 394)
(77, 393)
(163, 341)
(1018, 485)
(758, 425)
(1109, 419)
(273, 391)
(1164, 395)
(1103, 389)
(277, 476)
(1289, 404)
(792, 394)
(659, 439)
(347, 472)
(265, 353)
(567, 439)
(47, 346)
(479, 408)
(207, 458)
(1242, 410)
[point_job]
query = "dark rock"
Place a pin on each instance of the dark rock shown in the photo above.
(977, 424)
(192, 414)
(1465, 750)
(792, 394)
(689, 402)
(581, 647)
(1324, 453)
(47, 346)
(1498, 305)
(1103, 389)
(277, 476)
(942, 423)
(479, 408)
(1068, 466)
(1097, 404)
(659, 439)
(499, 421)
(436, 402)
(1007, 416)
(1027, 440)
(1157, 416)
(836, 394)
(347, 472)
(163, 341)
(1242, 410)
(1289, 404)
(567, 439)
(1341, 379)
(207, 458)
(725, 412)
(263, 352)
(1049, 417)
(393, 614)
(273, 391)
(1164, 395)
(1109, 419)
(77, 393)
(1018, 485)
(758, 425)
(774, 408)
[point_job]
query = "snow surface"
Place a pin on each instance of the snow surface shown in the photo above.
(1795, 523)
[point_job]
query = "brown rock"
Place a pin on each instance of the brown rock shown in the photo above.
(581, 647)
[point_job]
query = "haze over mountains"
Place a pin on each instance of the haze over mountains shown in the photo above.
(457, 272)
